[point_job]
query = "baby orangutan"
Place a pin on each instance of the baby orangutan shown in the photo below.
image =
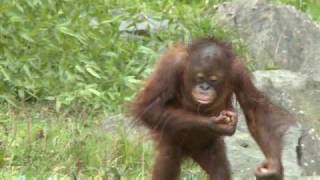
(187, 105)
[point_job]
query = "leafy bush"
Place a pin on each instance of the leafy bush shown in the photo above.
(70, 52)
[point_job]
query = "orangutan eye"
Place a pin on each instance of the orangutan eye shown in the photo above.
(213, 78)
(200, 76)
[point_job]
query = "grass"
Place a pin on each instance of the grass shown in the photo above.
(38, 142)
(65, 69)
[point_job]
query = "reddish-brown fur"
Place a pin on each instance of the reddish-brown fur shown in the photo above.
(184, 129)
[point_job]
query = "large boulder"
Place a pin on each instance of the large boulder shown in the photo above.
(244, 154)
(280, 37)
(300, 95)
(277, 36)
(296, 93)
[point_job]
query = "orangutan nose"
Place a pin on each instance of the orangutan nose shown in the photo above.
(204, 86)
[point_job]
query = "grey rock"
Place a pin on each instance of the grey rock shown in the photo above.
(294, 91)
(143, 26)
(245, 155)
(308, 151)
(300, 95)
(277, 36)
(290, 157)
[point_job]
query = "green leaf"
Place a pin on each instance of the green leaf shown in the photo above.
(21, 94)
(5, 74)
(50, 98)
(58, 105)
(93, 72)
(26, 37)
(67, 31)
(8, 99)
(27, 71)
(95, 92)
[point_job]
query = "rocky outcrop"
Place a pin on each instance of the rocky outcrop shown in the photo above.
(280, 37)
(245, 155)
(302, 142)
(299, 94)
(277, 36)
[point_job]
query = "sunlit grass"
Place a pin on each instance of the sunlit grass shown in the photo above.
(36, 141)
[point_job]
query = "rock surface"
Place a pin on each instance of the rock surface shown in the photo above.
(245, 155)
(143, 26)
(278, 36)
(298, 94)
(302, 143)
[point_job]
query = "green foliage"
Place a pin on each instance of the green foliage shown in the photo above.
(71, 53)
(38, 142)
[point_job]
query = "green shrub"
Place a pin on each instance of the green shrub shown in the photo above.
(70, 52)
